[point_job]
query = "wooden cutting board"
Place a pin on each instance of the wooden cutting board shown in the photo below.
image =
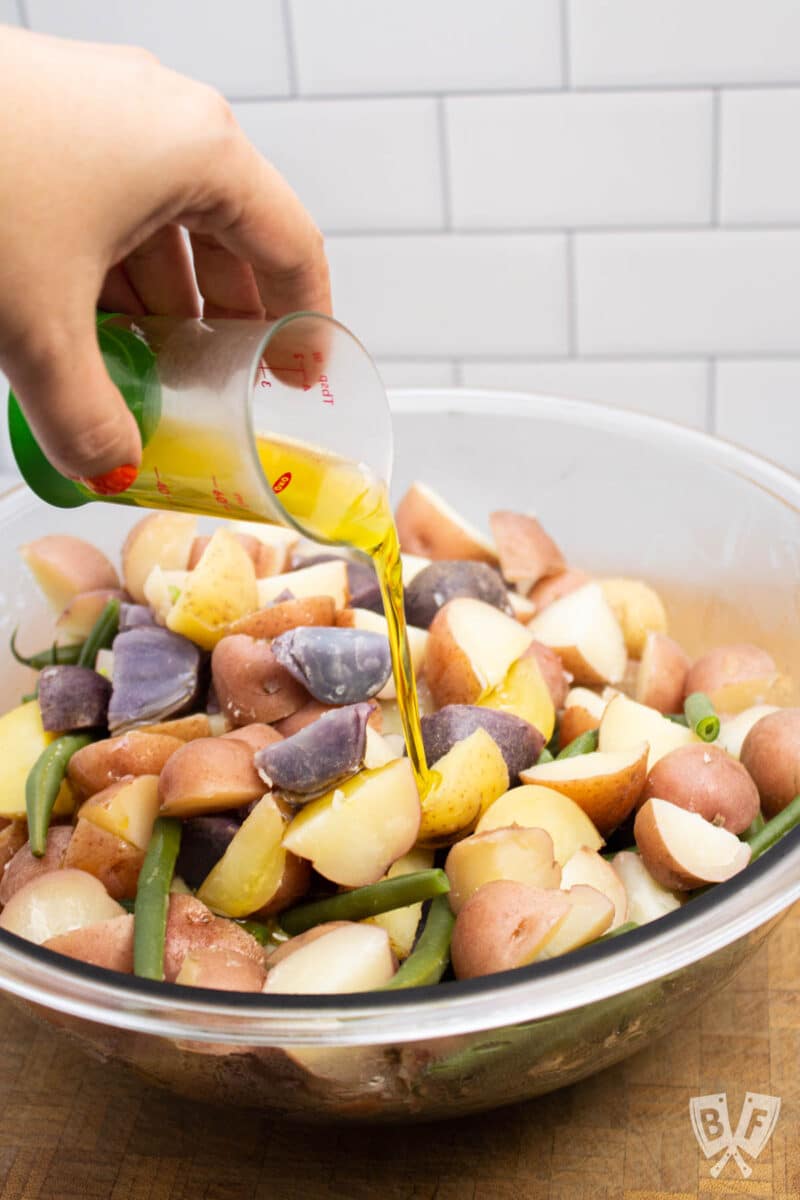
(71, 1129)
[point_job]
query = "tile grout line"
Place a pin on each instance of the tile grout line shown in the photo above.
(571, 297)
(444, 166)
(290, 47)
(22, 10)
(611, 231)
(656, 358)
(716, 156)
(456, 93)
(566, 55)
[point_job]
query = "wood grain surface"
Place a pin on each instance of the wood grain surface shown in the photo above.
(72, 1129)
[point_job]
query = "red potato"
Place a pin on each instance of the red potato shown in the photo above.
(552, 669)
(583, 711)
(77, 619)
(661, 676)
(13, 837)
(111, 859)
(525, 855)
(771, 754)
(208, 775)
(554, 587)
(526, 552)
(106, 944)
(285, 615)
(313, 709)
(63, 566)
(126, 809)
(734, 677)
(295, 882)
(705, 780)
(256, 736)
(343, 956)
(25, 866)
(251, 684)
(57, 902)
(682, 850)
(186, 729)
(605, 784)
(591, 915)
(505, 925)
(583, 630)
(99, 764)
(225, 970)
(430, 528)
(260, 554)
(191, 927)
(587, 868)
(470, 647)
(161, 539)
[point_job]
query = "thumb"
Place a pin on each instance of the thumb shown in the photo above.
(76, 413)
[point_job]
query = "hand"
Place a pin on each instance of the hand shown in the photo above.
(104, 154)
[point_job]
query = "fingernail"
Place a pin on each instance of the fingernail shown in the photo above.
(112, 482)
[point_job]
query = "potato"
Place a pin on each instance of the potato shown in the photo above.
(162, 589)
(204, 840)
(626, 724)
(251, 685)
(411, 565)
(362, 618)
(771, 754)
(319, 756)
(445, 580)
(76, 621)
(12, 838)
(706, 780)
(224, 970)
(591, 914)
(428, 526)
(322, 579)
(682, 850)
(524, 693)
(25, 866)
(527, 554)
(263, 557)
(192, 927)
(505, 925)
(522, 609)
(162, 539)
(639, 610)
(186, 729)
(353, 833)
(63, 566)
(277, 543)
(342, 956)
(552, 670)
(55, 903)
(583, 630)
(518, 741)
(464, 783)
(106, 943)
(22, 740)
(256, 736)
(647, 899)
(525, 855)
(554, 587)
(126, 809)
(294, 882)
(99, 764)
(661, 675)
(590, 868)
(220, 589)
(606, 785)
(534, 807)
(208, 775)
(285, 615)
(402, 924)
(111, 859)
(471, 646)
(248, 874)
(734, 729)
(735, 677)
(583, 711)
(336, 666)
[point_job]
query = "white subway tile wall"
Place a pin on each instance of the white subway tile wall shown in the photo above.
(597, 198)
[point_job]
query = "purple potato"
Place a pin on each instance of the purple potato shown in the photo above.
(72, 698)
(337, 666)
(442, 581)
(133, 615)
(519, 742)
(204, 840)
(157, 674)
(326, 751)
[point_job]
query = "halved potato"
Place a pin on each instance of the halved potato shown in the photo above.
(583, 711)
(661, 676)
(470, 647)
(250, 871)
(285, 615)
(553, 587)
(737, 676)
(220, 589)
(583, 630)
(526, 552)
(684, 851)
(208, 775)
(126, 809)
(22, 740)
(605, 784)
(76, 621)
(162, 589)
(321, 579)
(345, 956)
(277, 544)
(465, 781)
(588, 867)
(639, 610)
(525, 855)
(524, 693)
(535, 807)
(734, 729)
(63, 566)
(162, 539)
(626, 724)
(225, 970)
(647, 899)
(505, 925)
(107, 943)
(55, 903)
(591, 914)
(111, 859)
(428, 526)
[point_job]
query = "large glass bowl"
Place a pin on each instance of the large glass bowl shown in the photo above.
(717, 530)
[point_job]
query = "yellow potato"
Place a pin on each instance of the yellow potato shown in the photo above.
(639, 610)
(221, 589)
(470, 647)
(250, 871)
(162, 539)
(524, 855)
(126, 809)
(524, 693)
(22, 740)
(467, 780)
(401, 924)
(532, 806)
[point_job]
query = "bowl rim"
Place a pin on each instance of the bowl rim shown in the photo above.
(602, 971)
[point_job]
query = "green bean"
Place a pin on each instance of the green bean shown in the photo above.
(52, 656)
(753, 828)
(367, 901)
(428, 961)
(677, 719)
(701, 716)
(152, 898)
(544, 757)
(101, 635)
(42, 785)
(774, 830)
(626, 927)
(127, 904)
(584, 743)
(265, 933)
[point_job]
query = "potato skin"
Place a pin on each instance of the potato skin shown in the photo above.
(446, 579)
(502, 926)
(25, 866)
(553, 587)
(102, 763)
(251, 685)
(106, 944)
(771, 754)
(191, 926)
(208, 775)
(287, 614)
(705, 780)
(661, 677)
(552, 670)
(112, 860)
(728, 664)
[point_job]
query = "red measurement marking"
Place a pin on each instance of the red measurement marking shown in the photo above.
(327, 394)
(262, 372)
(218, 494)
(282, 482)
(160, 485)
(317, 356)
(239, 498)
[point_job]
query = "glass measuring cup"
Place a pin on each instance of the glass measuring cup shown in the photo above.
(240, 419)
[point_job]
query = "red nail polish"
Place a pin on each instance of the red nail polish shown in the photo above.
(112, 482)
